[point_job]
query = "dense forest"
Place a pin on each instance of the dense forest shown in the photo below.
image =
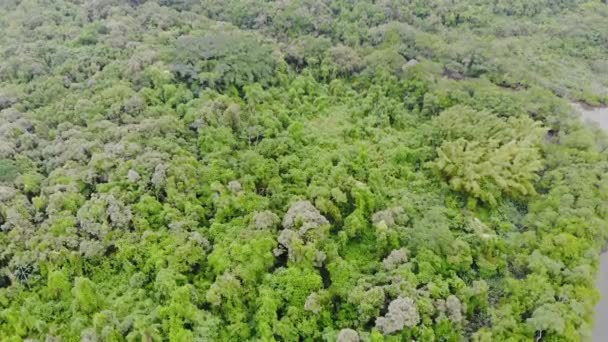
(301, 170)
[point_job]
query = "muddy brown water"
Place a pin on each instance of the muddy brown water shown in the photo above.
(600, 328)
(599, 116)
(594, 115)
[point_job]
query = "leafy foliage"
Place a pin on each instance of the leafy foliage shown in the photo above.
(301, 170)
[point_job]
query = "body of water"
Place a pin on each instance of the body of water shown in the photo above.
(600, 328)
(599, 116)
(593, 114)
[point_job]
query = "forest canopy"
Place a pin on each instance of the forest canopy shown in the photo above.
(303, 170)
